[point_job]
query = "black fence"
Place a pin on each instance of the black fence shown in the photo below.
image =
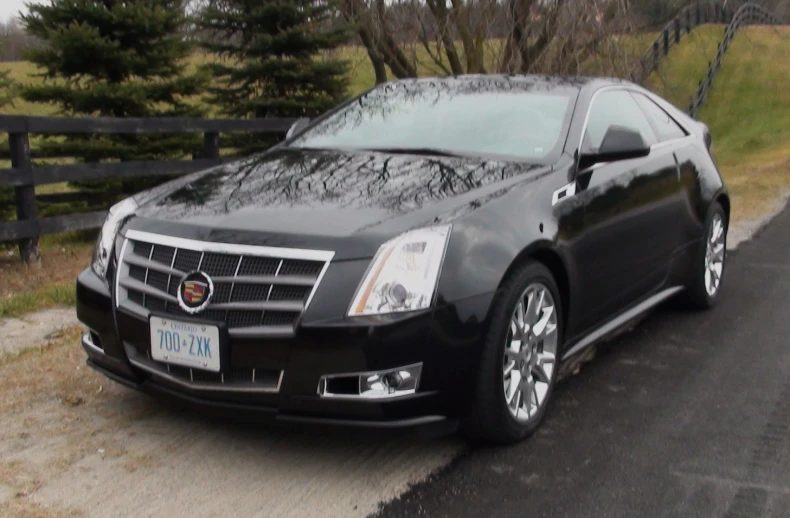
(23, 176)
(748, 14)
(687, 20)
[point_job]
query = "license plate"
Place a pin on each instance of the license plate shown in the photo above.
(185, 343)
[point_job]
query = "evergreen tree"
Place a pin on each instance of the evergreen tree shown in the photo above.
(273, 57)
(114, 58)
(6, 99)
(6, 84)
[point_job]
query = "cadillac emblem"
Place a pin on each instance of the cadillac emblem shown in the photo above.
(194, 292)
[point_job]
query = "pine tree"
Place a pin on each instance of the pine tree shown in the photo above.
(114, 58)
(6, 93)
(273, 57)
(6, 99)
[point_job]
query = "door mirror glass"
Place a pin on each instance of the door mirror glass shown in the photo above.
(619, 143)
(297, 126)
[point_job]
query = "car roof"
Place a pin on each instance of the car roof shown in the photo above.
(495, 82)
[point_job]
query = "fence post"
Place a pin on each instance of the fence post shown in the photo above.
(666, 41)
(210, 145)
(677, 30)
(699, 15)
(688, 21)
(656, 57)
(25, 196)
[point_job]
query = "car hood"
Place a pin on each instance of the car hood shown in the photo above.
(310, 198)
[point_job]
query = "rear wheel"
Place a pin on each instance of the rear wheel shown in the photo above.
(708, 270)
(518, 368)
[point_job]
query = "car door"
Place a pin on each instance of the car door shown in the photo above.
(674, 138)
(629, 235)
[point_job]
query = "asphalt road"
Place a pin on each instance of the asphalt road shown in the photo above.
(687, 415)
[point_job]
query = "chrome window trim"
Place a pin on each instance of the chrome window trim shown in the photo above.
(669, 108)
(658, 145)
(629, 89)
(674, 141)
(652, 99)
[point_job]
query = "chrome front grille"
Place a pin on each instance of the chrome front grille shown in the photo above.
(258, 291)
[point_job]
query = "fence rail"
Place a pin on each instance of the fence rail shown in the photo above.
(748, 14)
(23, 176)
(688, 19)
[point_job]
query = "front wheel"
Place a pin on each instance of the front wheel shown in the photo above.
(518, 368)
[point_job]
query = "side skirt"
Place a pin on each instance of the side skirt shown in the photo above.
(620, 320)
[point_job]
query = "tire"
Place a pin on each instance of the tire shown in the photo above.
(491, 418)
(698, 294)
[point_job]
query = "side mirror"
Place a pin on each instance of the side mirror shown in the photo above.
(297, 126)
(619, 143)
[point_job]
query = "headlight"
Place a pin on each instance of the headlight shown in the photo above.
(403, 274)
(101, 253)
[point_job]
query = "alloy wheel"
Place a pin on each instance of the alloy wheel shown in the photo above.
(530, 357)
(714, 255)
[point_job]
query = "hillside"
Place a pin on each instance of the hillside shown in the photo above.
(747, 111)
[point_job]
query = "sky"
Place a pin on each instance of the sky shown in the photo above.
(10, 8)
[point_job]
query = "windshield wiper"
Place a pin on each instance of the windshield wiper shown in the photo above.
(429, 151)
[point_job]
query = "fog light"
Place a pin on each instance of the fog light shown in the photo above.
(381, 384)
(372, 385)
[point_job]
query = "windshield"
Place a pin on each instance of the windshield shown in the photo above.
(515, 119)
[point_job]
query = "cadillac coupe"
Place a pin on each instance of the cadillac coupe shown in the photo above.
(427, 253)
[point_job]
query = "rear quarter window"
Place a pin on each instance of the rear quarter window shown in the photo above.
(665, 126)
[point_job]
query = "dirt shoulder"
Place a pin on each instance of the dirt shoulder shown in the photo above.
(73, 443)
(34, 329)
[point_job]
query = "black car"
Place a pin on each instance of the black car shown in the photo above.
(426, 253)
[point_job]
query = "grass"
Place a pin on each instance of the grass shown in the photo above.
(679, 74)
(747, 110)
(24, 290)
(749, 117)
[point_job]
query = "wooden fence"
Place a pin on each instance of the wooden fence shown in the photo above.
(688, 19)
(23, 176)
(748, 14)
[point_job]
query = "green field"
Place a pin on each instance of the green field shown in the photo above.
(747, 109)
(361, 75)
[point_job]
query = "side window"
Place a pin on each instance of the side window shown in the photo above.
(615, 107)
(666, 127)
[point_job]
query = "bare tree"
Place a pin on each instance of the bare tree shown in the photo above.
(14, 41)
(454, 37)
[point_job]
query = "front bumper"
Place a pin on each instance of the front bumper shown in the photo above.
(446, 346)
